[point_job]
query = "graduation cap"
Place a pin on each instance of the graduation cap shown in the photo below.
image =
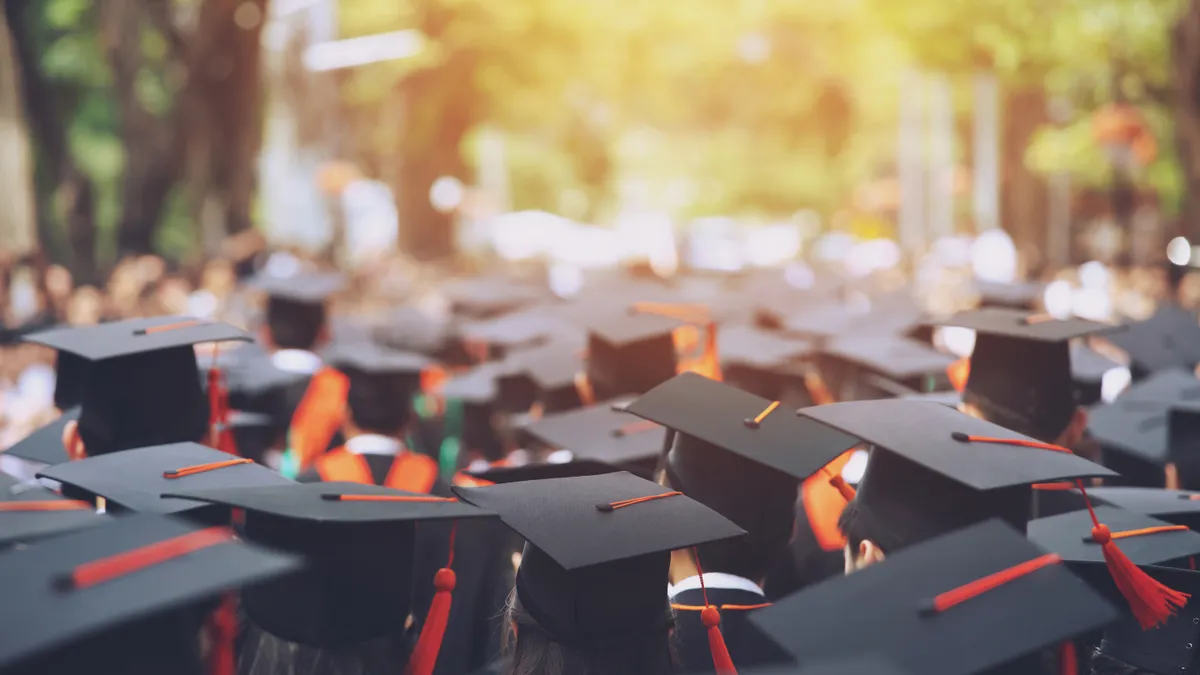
(1133, 434)
(1178, 507)
(1088, 368)
(296, 305)
(70, 380)
(1018, 295)
(138, 480)
(597, 552)
(554, 372)
(486, 297)
(1167, 649)
(1139, 540)
(739, 454)
(120, 594)
(517, 473)
(1183, 443)
(927, 606)
(900, 359)
(31, 512)
(514, 331)
(254, 433)
(358, 543)
(143, 385)
(1167, 385)
(603, 434)
(410, 329)
(382, 383)
(933, 469)
(1169, 339)
(1021, 368)
(630, 353)
(755, 359)
(45, 445)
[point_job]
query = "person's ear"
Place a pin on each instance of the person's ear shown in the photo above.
(1073, 434)
(73, 442)
(869, 553)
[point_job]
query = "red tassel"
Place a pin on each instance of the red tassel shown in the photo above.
(711, 618)
(848, 493)
(1068, 663)
(1150, 602)
(220, 433)
(222, 630)
(425, 654)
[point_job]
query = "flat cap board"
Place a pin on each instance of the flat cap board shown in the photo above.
(758, 348)
(1018, 294)
(922, 432)
(1155, 502)
(45, 445)
(621, 328)
(27, 526)
(302, 287)
(1088, 365)
(1134, 427)
(882, 609)
(135, 479)
(1166, 385)
(561, 517)
(717, 413)
(542, 471)
(1168, 339)
(137, 336)
(309, 502)
(372, 358)
(601, 433)
(893, 356)
(38, 616)
(1026, 326)
(1069, 535)
(515, 329)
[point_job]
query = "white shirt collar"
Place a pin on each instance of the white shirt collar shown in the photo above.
(374, 444)
(296, 361)
(720, 580)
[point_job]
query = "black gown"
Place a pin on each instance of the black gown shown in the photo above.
(747, 645)
(483, 571)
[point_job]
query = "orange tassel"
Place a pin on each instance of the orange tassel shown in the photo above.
(425, 654)
(1150, 602)
(220, 433)
(711, 618)
(1068, 663)
(223, 629)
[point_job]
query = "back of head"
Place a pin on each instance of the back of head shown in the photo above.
(142, 400)
(380, 403)
(758, 499)
(294, 324)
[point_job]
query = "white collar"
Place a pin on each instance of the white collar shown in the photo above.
(730, 582)
(374, 444)
(296, 361)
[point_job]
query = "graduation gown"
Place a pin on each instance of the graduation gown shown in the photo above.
(747, 645)
(483, 571)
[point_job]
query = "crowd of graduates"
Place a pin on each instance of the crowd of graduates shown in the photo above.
(705, 474)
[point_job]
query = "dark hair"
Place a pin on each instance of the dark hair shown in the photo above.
(379, 404)
(534, 652)
(265, 654)
(295, 325)
(1107, 665)
(769, 523)
(856, 527)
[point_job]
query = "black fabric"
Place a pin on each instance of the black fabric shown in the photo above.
(1179, 507)
(45, 445)
(1169, 339)
(1183, 447)
(748, 646)
(1038, 398)
(630, 354)
(891, 356)
(1069, 535)
(600, 433)
(1168, 649)
(29, 526)
(39, 617)
(70, 380)
(879, 609)
(136, 336)
(805, 563)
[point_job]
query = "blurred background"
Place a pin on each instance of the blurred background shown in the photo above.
(1023, 137)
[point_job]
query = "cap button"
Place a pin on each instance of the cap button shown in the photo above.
(604, 508)
(750, 423)
(1101, 534)
(710, 617)
(960, 436)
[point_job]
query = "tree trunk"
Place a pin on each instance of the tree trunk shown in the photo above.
(18, 231)
(71, 194)
(1186, 61)
(1023, 193)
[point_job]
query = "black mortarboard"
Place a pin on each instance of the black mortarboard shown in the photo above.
(630, 353)
(253, 433)
(45, 445)
(31, 512)
(518, 473)
(70, 380)
(1019, 295)
(1133, 436)
(1021, 368)
(358, 578)
(1088, 368)
(382, 381)
(754, 359)
(903, 360)
(304, 288)
(143, 383)
(1166, 385)
(1170, 648)
(555, 375)
(933, 469)
(597, 556)
(1180, 507)
(296, 306)
(137, 479)
(600, 433)
(1168, 339)
(410, 329)
(1183, 443)
(63, 614)
(514, 331)
(1067, 534)
(906, 610)
(486, 297)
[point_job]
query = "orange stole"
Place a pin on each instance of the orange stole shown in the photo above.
(824, 503)
(319, 415)
(410, 471)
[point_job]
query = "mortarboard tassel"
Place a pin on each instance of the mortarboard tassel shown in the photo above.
(959, 372)
(220, 432)
(1150, 602)
(710, 616)
(1068, 661)
(425, 654)
(222, 630)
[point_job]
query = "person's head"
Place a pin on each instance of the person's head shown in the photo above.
(296, 305)
(378, 404)
(535, 651)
